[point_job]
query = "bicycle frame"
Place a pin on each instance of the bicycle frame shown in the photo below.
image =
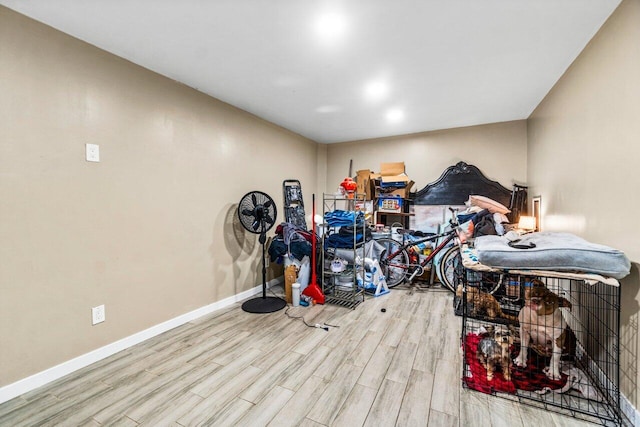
(399, 258)
(449, 236)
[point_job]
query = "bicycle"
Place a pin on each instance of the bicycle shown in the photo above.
(397, 265)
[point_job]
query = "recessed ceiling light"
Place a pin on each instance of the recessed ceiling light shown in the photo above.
(330, 26)
(376, 90)
(395, 115)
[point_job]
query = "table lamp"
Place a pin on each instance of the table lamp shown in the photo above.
(527, 223)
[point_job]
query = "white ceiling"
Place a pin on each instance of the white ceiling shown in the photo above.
(439, 63)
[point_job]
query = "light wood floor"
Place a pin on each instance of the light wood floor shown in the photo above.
(401, 367)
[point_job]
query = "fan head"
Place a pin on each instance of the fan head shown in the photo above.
(257, 213)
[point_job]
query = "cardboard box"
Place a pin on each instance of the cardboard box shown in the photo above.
(390, 204)
(393, 168)
(398, 192)
(392, 174)
(290, 277)
(365, 179)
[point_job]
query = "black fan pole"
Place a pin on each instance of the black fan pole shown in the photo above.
(265, 304)
(264, 271)
(257, 209)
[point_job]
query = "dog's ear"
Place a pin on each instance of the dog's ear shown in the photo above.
(563, 302)
(512, 328)
(536, 283)
(490, 329)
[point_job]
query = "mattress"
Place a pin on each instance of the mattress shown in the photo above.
(553, 251)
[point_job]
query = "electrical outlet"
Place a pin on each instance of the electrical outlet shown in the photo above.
(98, 314)
(93, 152)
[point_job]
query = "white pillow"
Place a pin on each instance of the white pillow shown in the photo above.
(488, 204)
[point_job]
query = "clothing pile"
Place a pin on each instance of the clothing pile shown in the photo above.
(291, 240)
(339, 218)
(351, 229)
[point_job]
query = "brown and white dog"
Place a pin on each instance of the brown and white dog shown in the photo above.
(494, 351)
(543, 328)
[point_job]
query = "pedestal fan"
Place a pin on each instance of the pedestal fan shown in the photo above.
(257, 213)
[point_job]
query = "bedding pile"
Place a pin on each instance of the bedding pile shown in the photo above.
(552, 251)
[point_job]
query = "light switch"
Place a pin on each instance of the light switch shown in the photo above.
(93, 153)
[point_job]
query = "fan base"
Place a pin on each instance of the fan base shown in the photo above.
(264, 305)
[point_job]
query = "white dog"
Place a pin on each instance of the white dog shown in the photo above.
(543, 329)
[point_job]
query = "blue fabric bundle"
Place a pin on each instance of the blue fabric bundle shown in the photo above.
(339, 218)
(338, 240)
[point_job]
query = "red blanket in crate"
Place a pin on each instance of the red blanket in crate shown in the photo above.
(531, 378)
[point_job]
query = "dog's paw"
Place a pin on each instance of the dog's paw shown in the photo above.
(520, 362)
(552, 375)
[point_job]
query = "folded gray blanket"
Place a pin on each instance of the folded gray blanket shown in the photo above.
(553, 251)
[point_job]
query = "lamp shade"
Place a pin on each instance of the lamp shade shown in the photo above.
(527, 222)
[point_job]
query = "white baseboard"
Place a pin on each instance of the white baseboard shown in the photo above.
(32, 382)
(629, 411)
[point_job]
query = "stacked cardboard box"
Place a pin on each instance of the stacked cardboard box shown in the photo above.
(392, 181)
(365, 180)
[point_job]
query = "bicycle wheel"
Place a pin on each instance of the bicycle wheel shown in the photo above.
(487, 282)
(394, 268)
(491, 282)
(450, 270)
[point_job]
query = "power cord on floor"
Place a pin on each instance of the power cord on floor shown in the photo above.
(317, 325)
(324, 326)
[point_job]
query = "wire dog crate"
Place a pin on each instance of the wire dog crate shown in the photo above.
(572, 361)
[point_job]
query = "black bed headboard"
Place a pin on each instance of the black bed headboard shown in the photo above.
(457, 183)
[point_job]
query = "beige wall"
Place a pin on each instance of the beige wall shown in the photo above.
(149, 230)
(322, 173)
(583, 153)
(498, 150)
